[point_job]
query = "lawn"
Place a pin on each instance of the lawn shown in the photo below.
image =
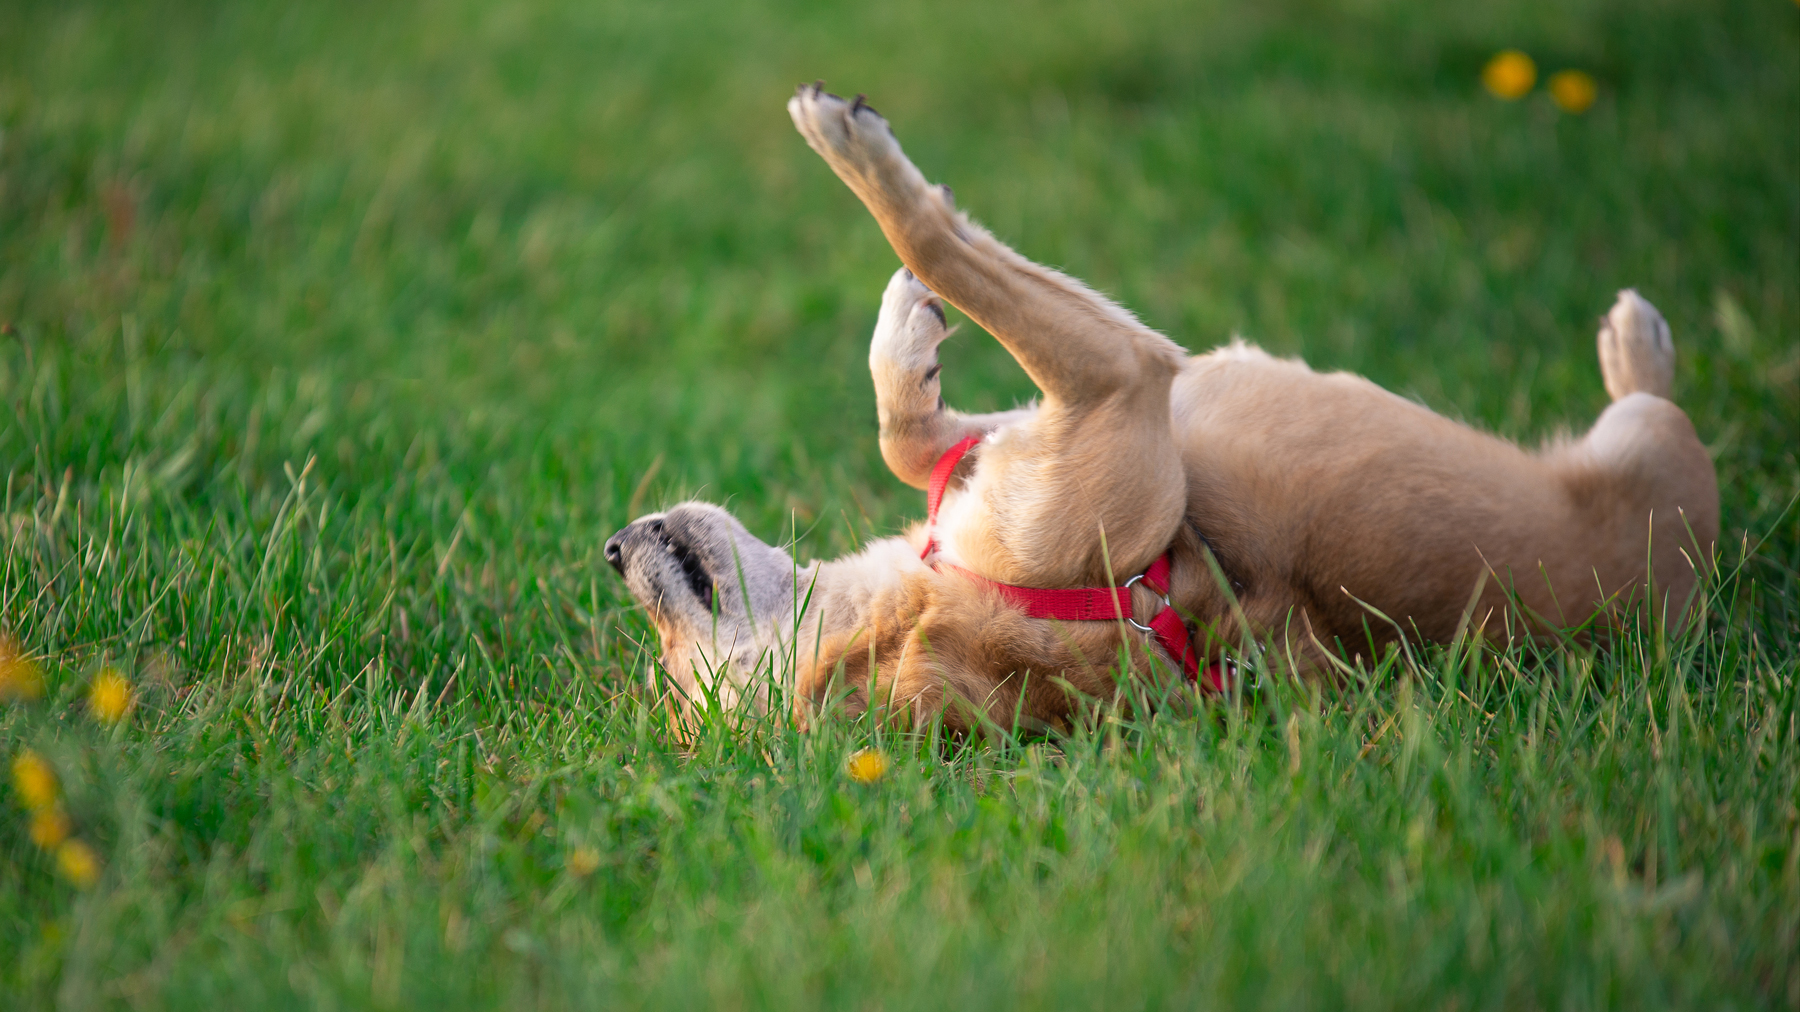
(338, 337)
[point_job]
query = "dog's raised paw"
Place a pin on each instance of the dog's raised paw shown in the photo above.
(910, 326)
(1637, 354)
(851, 136)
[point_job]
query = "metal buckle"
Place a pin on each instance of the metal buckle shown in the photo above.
(1235, 670)
(1135, 624)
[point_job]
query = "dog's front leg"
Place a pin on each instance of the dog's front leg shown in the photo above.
(1077, 346)
(1087, 486)
(916, 426)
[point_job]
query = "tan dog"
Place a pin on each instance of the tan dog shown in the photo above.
(1296, 508)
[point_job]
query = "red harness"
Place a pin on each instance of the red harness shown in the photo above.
(1081, 604)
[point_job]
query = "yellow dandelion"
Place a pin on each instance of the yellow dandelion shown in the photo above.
(583, 861)
(867, 766)
(78, 863)
(1509, 75)
(109, 698)
(49, 827)
(19, 675)
(34, 780)
(1572, 90)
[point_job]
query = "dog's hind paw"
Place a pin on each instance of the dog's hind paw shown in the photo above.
(1637, 354)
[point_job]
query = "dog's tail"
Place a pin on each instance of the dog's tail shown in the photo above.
(1636, 352)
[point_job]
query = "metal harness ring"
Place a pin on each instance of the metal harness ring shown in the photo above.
(1135, 624)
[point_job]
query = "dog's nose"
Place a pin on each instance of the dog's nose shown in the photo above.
(615, 552)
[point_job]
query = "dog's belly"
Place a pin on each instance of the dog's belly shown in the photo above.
(1333, 497)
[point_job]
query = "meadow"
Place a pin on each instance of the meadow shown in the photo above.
(336, 338)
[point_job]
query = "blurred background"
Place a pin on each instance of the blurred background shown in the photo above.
(510, 272)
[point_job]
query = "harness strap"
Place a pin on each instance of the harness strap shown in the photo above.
(934, 490)
(1080, 604)
(1074, 604)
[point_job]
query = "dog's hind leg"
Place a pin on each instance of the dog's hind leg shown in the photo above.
(916, 426)
(1637, 354)
(1642, 466)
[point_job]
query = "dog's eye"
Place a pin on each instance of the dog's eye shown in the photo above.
(698, 580)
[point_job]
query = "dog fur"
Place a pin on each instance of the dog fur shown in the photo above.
(1299, 507)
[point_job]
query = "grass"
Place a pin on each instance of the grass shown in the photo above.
(339, 337)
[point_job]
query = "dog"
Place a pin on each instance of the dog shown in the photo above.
(1175, 510)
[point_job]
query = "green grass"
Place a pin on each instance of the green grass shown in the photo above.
(341, 335)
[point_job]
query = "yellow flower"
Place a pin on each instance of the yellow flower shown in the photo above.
(19, 676)
(78, 863)
(1573, 90)
(34, 780)
(583, 861)
(49, 827)
(1509, 75)
(109, 698)
(867, 766)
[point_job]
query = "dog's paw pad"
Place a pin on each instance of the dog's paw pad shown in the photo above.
(848, 133)
(1637, 353)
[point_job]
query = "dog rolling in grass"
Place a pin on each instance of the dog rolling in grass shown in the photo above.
(1158, 507)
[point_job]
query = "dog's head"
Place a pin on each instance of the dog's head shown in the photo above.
(717, 595)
